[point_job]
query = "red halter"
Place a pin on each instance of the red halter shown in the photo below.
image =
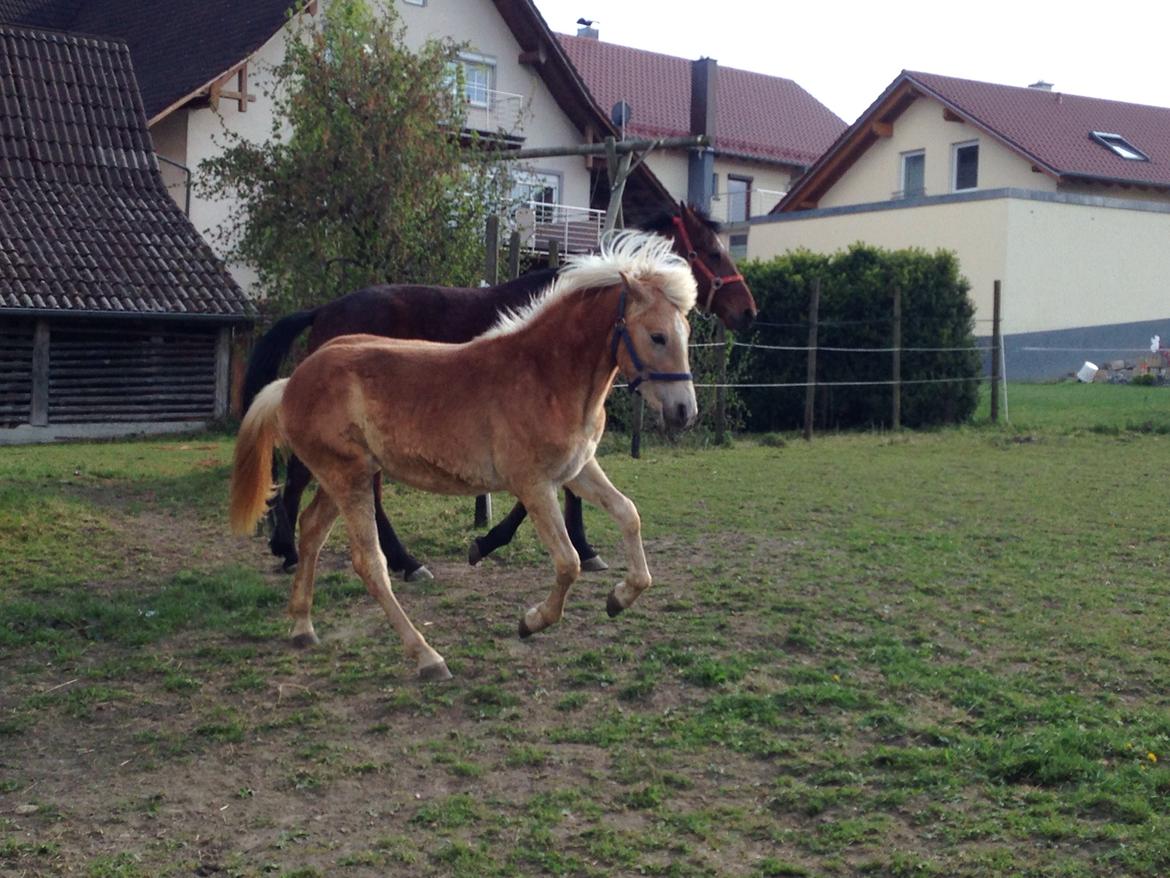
(714, 281)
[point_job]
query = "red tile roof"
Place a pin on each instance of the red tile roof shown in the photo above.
(85, 222)
(757, 116)
(1053, 129)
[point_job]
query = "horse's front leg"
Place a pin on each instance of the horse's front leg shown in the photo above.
(593, 484)
(575, 523)
(399, 559)
(550, 526)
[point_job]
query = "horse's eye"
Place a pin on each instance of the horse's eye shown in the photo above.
(658, 338)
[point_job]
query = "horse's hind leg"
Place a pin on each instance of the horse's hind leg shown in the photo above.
(399, 559)
(500, 535)
(575, 523)
(592, 484)
(550, 525)
(283, 540)
(315, 526)
(357, 508)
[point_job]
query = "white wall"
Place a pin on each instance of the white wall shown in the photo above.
(876, 175)
(1062, 265)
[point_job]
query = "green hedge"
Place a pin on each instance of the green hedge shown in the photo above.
(856, 310)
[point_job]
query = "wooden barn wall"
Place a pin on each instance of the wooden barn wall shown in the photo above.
(110, 371)
(16, 366)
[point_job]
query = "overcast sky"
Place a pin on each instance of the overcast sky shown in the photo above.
(846, 53)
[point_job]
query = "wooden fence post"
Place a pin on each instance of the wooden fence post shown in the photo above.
(896, 414)
(554, 253)
(720, 390)
(491, 249)
(483, 502)
(996, 343)
(514, 256)
(814, 304)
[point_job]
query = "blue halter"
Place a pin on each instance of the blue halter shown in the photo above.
(622, 334)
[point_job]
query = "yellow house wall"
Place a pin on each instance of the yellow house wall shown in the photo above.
(877, 174)
(1062, 265)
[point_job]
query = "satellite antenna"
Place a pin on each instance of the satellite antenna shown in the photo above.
(620, 116)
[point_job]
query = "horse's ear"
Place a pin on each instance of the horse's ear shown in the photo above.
(637, 293)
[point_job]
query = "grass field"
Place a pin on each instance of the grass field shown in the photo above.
(938, 654)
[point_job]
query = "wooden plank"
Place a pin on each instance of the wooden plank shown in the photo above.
(39, 407)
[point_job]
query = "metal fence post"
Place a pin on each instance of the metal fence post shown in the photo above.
(814, 304)
(896, 414)
(996, 353)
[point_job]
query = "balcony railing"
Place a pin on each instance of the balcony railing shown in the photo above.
(576, 229)
(492, 111)
(728, 207)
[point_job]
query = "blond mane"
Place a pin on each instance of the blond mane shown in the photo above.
(641, 256)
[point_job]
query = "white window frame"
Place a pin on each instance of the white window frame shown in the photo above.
(955, 147)
(909, 154)
(472, 60)
(415, 2)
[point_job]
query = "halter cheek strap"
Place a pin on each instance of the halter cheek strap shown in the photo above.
(621, 335)
(714, 281)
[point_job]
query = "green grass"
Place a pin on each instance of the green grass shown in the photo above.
(872, 654)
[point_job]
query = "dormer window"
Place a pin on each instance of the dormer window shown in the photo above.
(1118, 145)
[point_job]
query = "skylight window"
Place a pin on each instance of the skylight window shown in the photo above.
(1120, 146)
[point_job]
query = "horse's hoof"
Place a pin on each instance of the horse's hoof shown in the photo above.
(304, 641)
(594, 564)
(474, 555)
(435, 673)
(289, 565)
(419, 574)
(612, 605)
(525, 631)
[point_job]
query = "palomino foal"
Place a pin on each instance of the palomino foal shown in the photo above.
(520, 408)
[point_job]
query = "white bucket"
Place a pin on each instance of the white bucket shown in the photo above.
(1087, 372)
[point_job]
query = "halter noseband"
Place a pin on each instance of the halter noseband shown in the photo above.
(714, 281)
(622, 334)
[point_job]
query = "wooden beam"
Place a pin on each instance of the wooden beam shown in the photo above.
(240, 95)
(536, 56)
(950, 115)
(882, 129)
(39, 414)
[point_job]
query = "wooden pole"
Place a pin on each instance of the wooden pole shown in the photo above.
(896, 414)
(514, 256)
(483, 502)
(721, 391)
(554, 253)
(491, 249)
(996, 344)
(814, 305)
(39, 413)
(636, 416)
(621, 146)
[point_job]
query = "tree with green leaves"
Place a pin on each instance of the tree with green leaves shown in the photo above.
(364, 178)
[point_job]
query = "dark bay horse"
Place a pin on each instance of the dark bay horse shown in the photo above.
(458, 314)
(476, 417)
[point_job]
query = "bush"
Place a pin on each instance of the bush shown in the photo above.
(856, 311)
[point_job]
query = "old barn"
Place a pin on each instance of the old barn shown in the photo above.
(115, 315)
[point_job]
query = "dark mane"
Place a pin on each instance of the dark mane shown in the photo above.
(660, 222)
